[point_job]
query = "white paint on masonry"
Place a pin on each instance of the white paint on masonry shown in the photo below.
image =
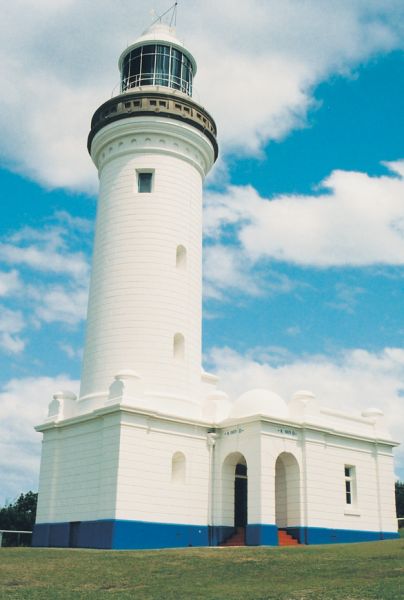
(138, 443)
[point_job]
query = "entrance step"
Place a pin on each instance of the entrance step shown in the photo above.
(236, 539)
(285, 539)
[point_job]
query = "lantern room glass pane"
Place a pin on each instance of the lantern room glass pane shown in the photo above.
(148, 62)
(157, 64)
(162, 69)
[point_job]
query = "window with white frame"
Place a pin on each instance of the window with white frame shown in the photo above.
(350, 485)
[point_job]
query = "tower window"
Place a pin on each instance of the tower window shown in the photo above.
(179, 346)
(144, 182)
(350, 485)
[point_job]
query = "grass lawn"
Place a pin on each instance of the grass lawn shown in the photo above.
(345, 571)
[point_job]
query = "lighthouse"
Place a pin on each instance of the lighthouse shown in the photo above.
(151, 454)
(153, 146)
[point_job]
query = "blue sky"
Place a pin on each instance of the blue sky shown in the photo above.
(304, 214)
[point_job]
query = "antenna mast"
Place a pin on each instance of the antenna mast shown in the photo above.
(173, 17)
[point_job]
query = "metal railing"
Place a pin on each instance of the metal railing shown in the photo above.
(156, 78)
(11, 531)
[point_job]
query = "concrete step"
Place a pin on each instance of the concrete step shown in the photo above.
(285, 539)
(237, 539)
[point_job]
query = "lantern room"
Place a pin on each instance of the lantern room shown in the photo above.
(157, 58)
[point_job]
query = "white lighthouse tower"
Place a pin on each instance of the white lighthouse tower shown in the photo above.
(151, 454)
(152, 146)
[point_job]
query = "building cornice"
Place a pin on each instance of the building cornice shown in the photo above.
(303, 426)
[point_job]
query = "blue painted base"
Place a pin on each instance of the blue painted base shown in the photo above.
(262, 535)
(119, 535)
(322, 535)
(140, 535)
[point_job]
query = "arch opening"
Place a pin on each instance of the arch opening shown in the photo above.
(235, 491)
(287, 491)
(179, 346)
(181, 257)
(178, 468)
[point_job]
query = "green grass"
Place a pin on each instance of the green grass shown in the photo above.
(346, 571)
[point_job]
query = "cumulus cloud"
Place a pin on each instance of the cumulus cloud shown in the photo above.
(43, 250)
(59, 294)
(23, 404)
(9, 282)
(353, 381)
(258, 64)
(11, 324)
(56, 303)
(353, 219)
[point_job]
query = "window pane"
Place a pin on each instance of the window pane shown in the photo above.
(348, 498)
(162, 69)
(147, 69)
(176, 74)
(347, 472)
(144, 182)
(163, 50)
(149, 49)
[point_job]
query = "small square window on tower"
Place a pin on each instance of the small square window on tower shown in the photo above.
(144, 182)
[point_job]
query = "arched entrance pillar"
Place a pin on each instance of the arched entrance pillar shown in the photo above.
(287, 492)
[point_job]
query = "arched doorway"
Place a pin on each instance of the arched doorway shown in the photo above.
(287, 491)
(234, 491)
(240, 495)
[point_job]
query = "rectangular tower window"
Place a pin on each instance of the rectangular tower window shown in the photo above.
(349, 485)
(144, 183)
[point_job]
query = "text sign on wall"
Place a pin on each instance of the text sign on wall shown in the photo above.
(233, 431)
(286, 431)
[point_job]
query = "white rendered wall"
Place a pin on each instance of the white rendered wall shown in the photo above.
(146, 490)
(326, 457)
(79, 471)
(139, 298)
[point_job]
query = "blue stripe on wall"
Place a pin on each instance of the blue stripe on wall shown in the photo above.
(322, 535)
(262, 535)
(127, 535)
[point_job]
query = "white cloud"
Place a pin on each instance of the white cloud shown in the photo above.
(346, 298)
(60, 294)
(353, 381)
(65, 304)
(44, 250)
(357, 220)
(11, 323)
(9, 282)
(258, 63)
(226, 268)
(71, 352)
(23, 404)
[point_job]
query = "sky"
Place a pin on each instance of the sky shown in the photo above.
(304, 210)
